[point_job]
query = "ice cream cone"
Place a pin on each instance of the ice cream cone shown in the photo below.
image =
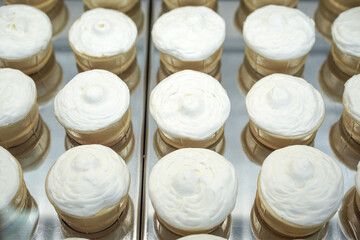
(124, 147)
(349, 215)
(30, 64)
(332, 79)
(189, 143)
(44, 5)
(106, 136)
(207, 65)
(351, 125)
(59, 16)
(34, 150)
(275, 141)
(171, 4)
(120, 5)
(17, 133)
(116, 64)
(280, 225)
(252, 5)
(348, 64)
(345, 148)
(48, 80)
(266, 66)
(240, 15)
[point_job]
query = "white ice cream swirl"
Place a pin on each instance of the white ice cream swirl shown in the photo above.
(189, 33)
(285, 105)
(86, 179)
(9, 178)
(189, 104)
(302, 185)
(351, 96)
(103, 32)
(92, 100)
(17, 95)
(24, 31)
(279, 32)
(193, 189)
(346, 31)
(202, 237)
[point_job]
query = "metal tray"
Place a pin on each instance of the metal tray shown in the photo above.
(128, 227)
(235, 149)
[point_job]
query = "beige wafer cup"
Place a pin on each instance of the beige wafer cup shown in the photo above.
(120, 5)
(190, 143)
(171, 4)
(351, 125)
(275, 141)
(325, 15)
(252, 5)
(349, 215)
(266, 66)
(347, 63)
(95, 223)
(30, 64)
(279, 224)
(116, 64)
(17, 133)
(59, 16)
(44, 5)
(240, 16)
(107, 136)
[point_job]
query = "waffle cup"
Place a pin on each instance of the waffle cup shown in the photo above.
(48, 80)
(120, 5)
(162, 148)
(349, 215)
(107, 136)
(242, 12)
(34, 150)
(247, 76)
(207, 65)
(94, 223)
(352, 126)
(280, 225)
(124, 147)
(116, 64)
(347, 63)
(18, 205)
(252, 5)
(266, 66)
(44, 5)
(275, 141)
(17, 133)
(189, 143)
(30, 64)
(58, 16)
(172, 4)
(332, 79)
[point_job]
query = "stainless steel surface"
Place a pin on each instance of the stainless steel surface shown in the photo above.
(247, 170)
(49, 226)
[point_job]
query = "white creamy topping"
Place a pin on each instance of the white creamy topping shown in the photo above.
(351, 96)
(9, 178)
(103, 32)
(279, 32)
(189, 33)
(193, 189)
(92, 100)
(189, 104)
(24, 31)
(202, 237)
(285, 105)
(301, 184)
(346, 31)
(86, 179)
(17, 95)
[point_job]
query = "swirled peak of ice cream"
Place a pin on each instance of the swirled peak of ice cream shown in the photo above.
(92, 100)
(279, 32)
(301, 184)
(193, 189)
(285, 105)
(346, 31)
(189, 104)
(103, 32)
(351, 96)
(202, 237)
(24, 31)
(17, 95)
(9, 178)
(189, 33)
(86, 179)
